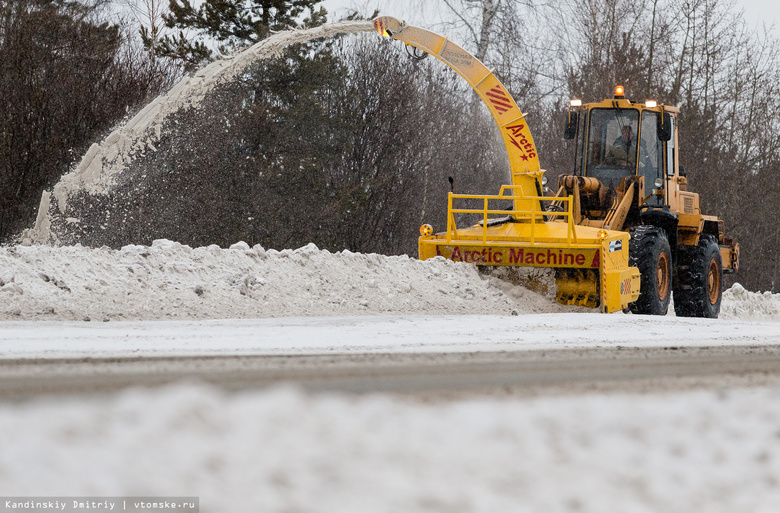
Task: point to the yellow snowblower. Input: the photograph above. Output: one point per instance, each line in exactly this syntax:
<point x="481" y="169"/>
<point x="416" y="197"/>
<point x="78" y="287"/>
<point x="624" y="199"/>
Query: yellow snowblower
<point x="621" y="234"/>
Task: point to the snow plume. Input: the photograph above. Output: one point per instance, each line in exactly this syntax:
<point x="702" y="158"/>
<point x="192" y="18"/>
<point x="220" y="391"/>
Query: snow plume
<point x="105" y="161"/>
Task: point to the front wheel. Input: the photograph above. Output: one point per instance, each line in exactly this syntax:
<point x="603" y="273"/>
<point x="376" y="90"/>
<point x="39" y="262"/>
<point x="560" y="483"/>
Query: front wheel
<point x="699" y="290"/>
<point x="649" y="251"/>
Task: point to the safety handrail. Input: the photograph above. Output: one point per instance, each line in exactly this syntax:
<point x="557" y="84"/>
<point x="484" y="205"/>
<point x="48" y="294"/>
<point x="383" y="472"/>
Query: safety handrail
<point x="533" y="215"/>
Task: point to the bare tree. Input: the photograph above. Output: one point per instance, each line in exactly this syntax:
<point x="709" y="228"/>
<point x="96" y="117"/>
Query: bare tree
<point x="505" y="35"/>
<point x="149" y="17"/>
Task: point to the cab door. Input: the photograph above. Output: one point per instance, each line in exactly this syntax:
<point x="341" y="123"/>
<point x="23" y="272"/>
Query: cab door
<point x="650" y="163"/>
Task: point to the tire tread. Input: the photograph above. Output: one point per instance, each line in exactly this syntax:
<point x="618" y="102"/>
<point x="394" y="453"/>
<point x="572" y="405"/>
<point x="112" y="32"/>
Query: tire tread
<point x="644" y="248"/>
<point x="691" y="298"/>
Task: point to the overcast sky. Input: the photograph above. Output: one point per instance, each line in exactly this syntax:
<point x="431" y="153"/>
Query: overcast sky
<point x="756" y="11"/>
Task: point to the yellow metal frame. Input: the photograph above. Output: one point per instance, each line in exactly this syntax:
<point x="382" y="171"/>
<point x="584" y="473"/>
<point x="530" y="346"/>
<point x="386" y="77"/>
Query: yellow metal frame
<point x="532" y="216"/>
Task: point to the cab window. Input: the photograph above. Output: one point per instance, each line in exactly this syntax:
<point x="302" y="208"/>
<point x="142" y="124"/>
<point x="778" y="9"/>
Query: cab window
<point x="612" y="145"/>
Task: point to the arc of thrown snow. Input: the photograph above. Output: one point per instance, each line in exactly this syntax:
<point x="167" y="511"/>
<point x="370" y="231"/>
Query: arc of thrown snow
<point x="104" y="161"/>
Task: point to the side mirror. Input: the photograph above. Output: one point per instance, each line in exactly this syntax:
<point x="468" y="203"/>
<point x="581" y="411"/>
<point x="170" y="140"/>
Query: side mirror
<point x="571" y="126"/>
<point x="664" y="127"/>
<point x="682" y="171"/>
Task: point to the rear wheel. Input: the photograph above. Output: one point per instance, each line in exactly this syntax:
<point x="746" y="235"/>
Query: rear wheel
<point x="649" y="251"/>
<point x="698" y="289"/>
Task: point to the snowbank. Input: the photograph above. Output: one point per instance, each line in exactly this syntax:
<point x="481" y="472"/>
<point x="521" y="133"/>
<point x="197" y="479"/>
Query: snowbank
<point x="282" y="450"/>
<point x="168" y="280"/>
<point x="739" y="303"/>
<point x="172" y="281"/>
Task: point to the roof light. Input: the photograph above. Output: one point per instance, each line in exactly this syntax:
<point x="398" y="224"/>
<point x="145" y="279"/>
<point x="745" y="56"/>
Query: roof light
<point x="426" y="230"/>
<point x="576" y="103"/>
<point x="619" y="92"/>
<point x="651" y="103"/>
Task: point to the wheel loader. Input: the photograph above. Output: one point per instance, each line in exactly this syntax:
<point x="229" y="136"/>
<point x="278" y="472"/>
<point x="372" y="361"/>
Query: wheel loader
<point x="621" y="233"/>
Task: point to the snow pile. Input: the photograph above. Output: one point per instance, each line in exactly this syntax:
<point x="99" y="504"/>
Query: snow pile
<point x="739" y="303"/>
<point x="103" y="162"/>
<point x="168" y="280"/>
<point x="172" y="281"/>
<point x="282" y="450"/>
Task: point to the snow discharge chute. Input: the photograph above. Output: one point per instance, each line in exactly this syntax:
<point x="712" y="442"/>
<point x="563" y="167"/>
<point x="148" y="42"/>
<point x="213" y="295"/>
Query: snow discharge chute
<point x="523" y="159"/>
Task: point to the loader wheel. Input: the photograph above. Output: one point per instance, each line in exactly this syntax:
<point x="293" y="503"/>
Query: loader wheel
<point x="698" y="289"/>
<point x="649" y="251"/>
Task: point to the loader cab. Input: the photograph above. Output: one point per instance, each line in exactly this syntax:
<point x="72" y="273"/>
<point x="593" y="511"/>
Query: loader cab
<point x="618" y="139"/>
<point x="610" y="145"/>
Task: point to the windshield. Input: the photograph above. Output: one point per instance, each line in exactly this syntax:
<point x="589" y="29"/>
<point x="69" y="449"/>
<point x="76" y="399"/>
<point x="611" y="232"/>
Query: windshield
<point x="612" y="145"/>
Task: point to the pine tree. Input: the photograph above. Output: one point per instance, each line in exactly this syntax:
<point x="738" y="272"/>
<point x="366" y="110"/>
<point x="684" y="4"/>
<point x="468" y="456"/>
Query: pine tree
<point x="231" y="24"/>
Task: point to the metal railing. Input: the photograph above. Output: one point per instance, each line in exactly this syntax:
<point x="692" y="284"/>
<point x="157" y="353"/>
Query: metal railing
<point x="533" y="216"/>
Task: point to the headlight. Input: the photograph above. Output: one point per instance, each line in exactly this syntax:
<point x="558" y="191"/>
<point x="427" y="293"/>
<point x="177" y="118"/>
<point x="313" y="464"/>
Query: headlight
<point x="659" y="182"/>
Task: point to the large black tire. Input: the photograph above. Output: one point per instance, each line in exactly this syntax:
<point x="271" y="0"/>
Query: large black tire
<point x="649" y="251"/>
<point x="699" y="285"/>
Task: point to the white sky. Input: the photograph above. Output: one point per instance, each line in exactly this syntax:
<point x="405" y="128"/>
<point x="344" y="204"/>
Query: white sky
<point x="757" y="12"/>
<point x="761" y="11"/>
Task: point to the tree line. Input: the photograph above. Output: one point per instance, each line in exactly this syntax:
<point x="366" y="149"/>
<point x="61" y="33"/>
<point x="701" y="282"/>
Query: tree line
<point x="349" y="143"/>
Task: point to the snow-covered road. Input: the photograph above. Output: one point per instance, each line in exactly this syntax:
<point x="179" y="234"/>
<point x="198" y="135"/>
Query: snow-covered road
<point x="372" y="334"/>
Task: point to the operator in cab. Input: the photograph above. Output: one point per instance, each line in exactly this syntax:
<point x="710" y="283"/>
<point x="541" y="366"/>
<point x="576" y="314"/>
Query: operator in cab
<point x="623" y="150"/>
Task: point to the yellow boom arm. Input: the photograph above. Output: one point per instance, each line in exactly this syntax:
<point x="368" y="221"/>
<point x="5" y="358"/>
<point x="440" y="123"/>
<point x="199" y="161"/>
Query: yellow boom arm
<point x="523" y="160"/>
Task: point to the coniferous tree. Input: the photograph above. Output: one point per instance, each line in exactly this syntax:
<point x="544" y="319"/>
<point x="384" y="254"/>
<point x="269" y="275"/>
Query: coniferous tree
<point x="231" y="24"/>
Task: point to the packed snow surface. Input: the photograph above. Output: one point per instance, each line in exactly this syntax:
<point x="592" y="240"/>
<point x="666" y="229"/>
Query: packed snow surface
<point x="281" y="450"/>
<point x="372" y="334"/>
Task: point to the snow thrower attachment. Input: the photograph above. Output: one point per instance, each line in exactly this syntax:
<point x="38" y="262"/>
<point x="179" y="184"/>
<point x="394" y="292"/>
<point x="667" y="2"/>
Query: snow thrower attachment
<point x="591" y="265"/>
